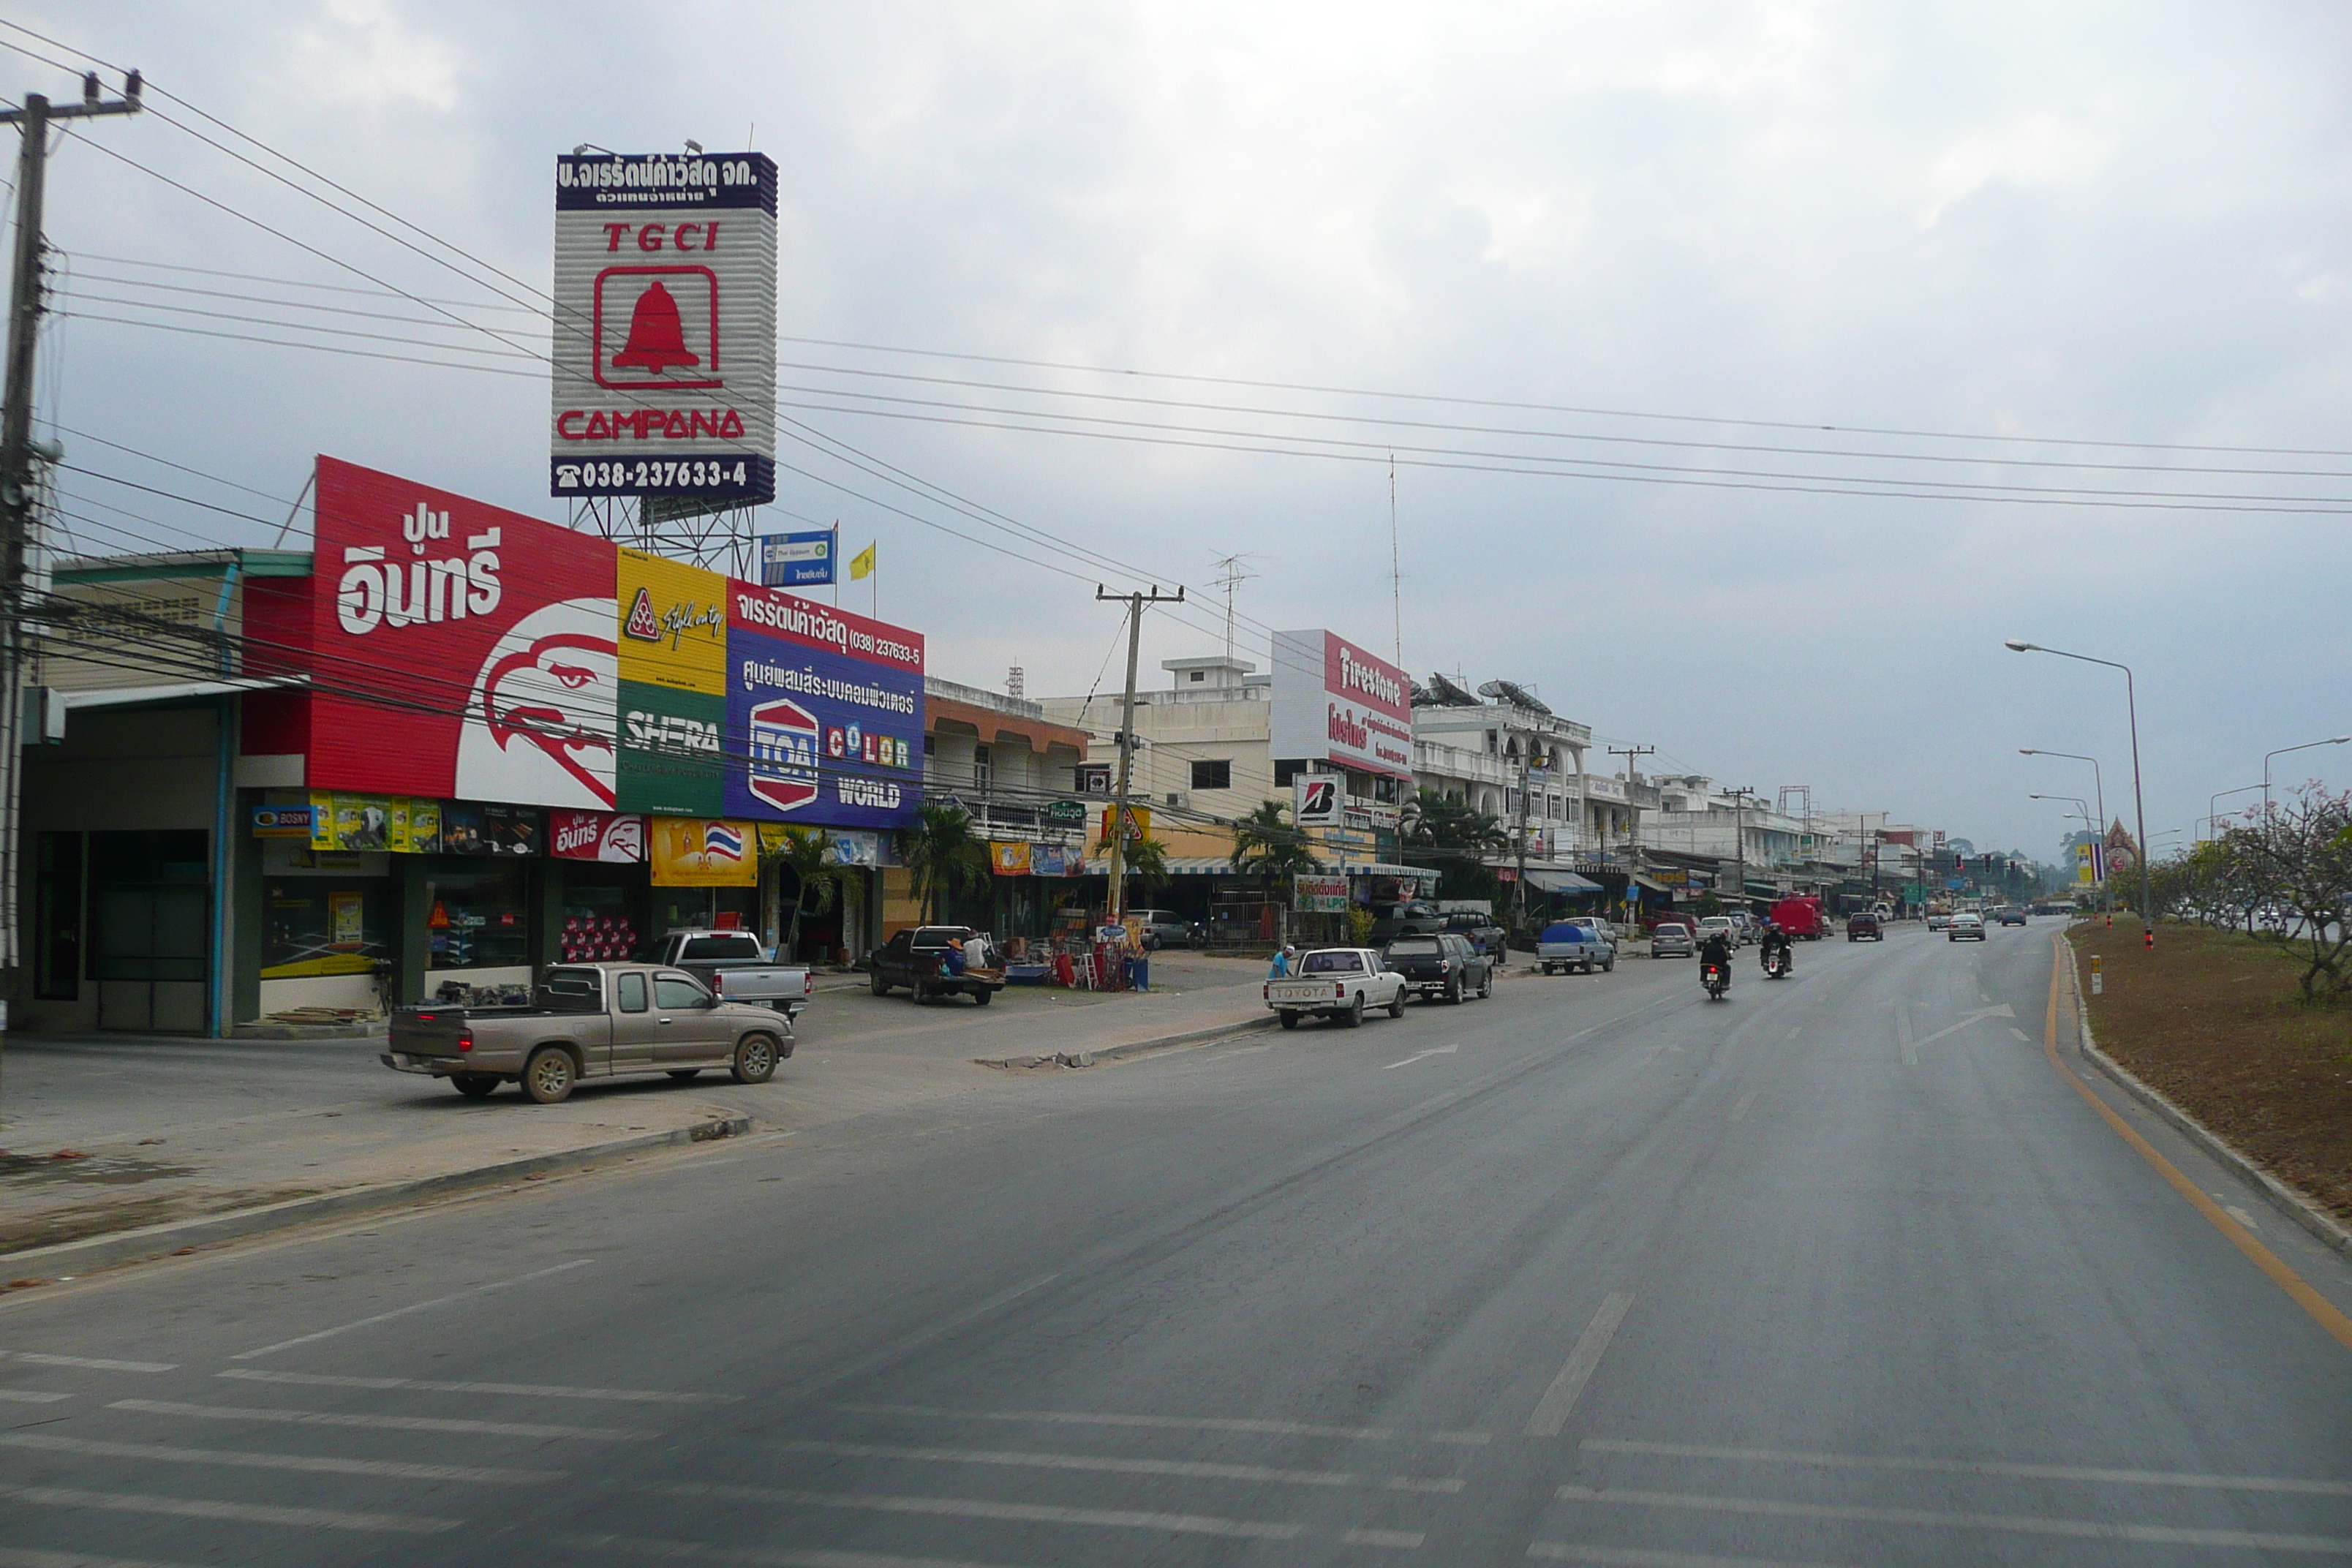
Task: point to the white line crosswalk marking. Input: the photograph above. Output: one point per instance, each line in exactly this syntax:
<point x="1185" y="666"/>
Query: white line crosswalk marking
<point x="519" y="1390"/>
<point x="241" y="1512"/>
<point x="386" y="1422"/>
<point x="979" y="1508"/>
<point x="1189" y="1468"/>
<point x="161" y="1453"/>
<point x="751" y="1557"/>
<point x="1167" y="1423"/>
<point x="30" y="1396"/>
<point x="1552" y="1410"/>
<point x="88" y="1362"/>
<point x="1820" y="1461"/>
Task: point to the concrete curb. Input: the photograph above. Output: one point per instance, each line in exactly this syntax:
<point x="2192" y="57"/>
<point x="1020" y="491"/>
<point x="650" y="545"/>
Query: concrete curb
<point x="2275" y="1192"/>
<point x="1131" y="1049"/>
<point x="96" y="1252"/>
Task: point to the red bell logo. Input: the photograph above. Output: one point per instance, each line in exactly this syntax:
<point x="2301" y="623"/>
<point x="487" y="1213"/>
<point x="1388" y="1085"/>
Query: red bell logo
<point x="656" y="338"/>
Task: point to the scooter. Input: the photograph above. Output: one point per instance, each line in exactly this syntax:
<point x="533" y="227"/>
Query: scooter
<point x="1776" y="964"/>
<point x="1717" y="978"/>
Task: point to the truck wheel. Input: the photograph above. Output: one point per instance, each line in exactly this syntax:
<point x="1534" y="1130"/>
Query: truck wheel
<point x="1611" y="966"/>
<point x="1396" y="1007"/>
<point x="1353" y="1018"/>
<point x="548" y="1077"/>
<point x="1289" y="1020"/>
<point x="473" y="1085"/>
<point x="881" y="987"/>
<point x="1453" y="990"/>
<point x="755" y="1059"/>
<point x="685" y="1074"/>
<point x="984" y="996"/>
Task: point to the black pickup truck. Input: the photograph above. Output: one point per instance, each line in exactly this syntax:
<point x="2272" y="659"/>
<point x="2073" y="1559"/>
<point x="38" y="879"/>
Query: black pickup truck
<point x="1441" y="965"/>
<point x="915" y="960"/>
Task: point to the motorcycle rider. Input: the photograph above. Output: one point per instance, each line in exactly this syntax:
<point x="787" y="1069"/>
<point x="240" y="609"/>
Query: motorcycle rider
<point x="1776" y="941"/>
<point x="1716" y="950"/>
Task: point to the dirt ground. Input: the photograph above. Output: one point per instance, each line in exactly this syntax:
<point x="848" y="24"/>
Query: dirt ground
<point x="2213" y="1019"/>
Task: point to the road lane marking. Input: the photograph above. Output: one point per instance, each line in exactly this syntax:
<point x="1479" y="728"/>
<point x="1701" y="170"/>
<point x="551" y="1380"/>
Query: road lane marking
<point x="1820" y="1461"/>
<point x="242" y="1512"/>
<point x="2019" y="1033"/>
<point x="981" y="1508"/>
<point x="519" y="1390"/>
<point x="1639" y="1557"/>
<point x="1940" y="1518"/>
<point x="161" y="1453"/>
<point x="1423" y="1056"/>
<point x="30" y="1396"/>
<point x="19" y="1557"/>
<point x="384" y="1422"/>
<point x="1165" y="1423"/>
<point x="1746" y="1100"/>
<point x="1902" y="1028"/>
<point x="697" y="1551"/>
<point x="1447" y="1485"/>
<point x="1400" y="1539"/>
<point x="1468" y="1439"/>
<point x="2323" y="1311"/>
<point x="2000" y="1010"/>
<point x="412" y="1307"/>
<point x="2241" y="1215"/>
<point x="1552" y="1410"/>
<point x="1193" y="1469"/>
<point x="88" y="1363"/>
<point x="1794" y="1032"/>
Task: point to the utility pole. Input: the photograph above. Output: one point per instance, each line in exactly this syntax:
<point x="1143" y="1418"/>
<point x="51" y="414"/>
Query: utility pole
<point x="18" y="485"/>
<point x="1633" y="848"/>
<point x="1519" y="888"/>
<point x="1121" y="816"/>
<point x="1739" y="839"/>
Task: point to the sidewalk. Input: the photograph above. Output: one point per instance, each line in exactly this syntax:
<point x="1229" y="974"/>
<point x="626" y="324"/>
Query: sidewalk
<point x="109" y="1133"/>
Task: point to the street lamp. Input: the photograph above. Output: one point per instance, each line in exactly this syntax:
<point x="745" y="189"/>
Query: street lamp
<point x="2139" y="807"/>
<point x="2283" y="750"/>
<point x="2098" y="788"/>
<point x="2213" y="802"/>
<point x="2082" y="810"/>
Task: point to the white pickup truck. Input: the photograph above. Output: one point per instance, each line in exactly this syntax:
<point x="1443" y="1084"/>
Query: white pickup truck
<point x="1340" y="983"/>
<point x="736" y="967"/>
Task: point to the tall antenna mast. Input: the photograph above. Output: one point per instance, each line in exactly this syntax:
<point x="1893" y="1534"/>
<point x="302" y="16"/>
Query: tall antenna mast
<point x="1230" y="577"/>
<point x="1396" y="574"/>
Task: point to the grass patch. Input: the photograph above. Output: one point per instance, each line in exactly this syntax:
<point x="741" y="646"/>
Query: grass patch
<point x="2214" y="1020"/>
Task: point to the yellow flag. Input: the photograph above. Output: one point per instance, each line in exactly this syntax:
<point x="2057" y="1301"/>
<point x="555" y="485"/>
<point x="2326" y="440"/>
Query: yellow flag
<point x="862" y="564"/>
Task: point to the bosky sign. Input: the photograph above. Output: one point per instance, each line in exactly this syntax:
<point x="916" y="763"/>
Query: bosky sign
<point x="466" y="651"/>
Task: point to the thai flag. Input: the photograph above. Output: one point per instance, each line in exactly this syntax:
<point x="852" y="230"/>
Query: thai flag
<point x="718" y="838"/>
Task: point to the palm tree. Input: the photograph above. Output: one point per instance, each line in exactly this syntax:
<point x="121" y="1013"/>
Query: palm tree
<point x="1267" y="847"/>
<point x="1144" y="863"/>
<point x="807" y="854"/>
<point x="940" y="855"/>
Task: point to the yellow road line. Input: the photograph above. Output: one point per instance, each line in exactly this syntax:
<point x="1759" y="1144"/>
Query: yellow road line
<point x="2323" y="1311"/>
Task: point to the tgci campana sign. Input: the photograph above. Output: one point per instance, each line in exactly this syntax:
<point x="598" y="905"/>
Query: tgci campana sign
<point x="665" y="352"/>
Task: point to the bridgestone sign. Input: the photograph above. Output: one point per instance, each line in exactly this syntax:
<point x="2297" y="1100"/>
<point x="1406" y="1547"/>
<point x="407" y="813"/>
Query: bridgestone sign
<point x="664" y="347"/>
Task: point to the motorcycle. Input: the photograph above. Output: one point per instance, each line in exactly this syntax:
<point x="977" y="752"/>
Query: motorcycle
<point x="1717" y="978"/>
<point x="1776" y="964"/>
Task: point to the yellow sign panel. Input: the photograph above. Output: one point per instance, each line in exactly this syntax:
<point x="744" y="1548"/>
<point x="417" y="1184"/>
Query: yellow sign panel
<point x="1010" y="860"/>
<point x="1138" y="823"/>
<point x="673" y="624"/>
<point x="705" y="852"/>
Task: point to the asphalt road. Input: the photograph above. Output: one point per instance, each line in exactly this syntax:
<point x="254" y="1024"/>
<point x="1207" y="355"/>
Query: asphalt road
<point x="1839" y="1270"/>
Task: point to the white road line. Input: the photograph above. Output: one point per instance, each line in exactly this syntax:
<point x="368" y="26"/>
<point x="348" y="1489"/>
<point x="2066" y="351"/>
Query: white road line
<point x="383" y="1423"/>
<point x="1551" y="1411"/>
<point x="1902" y="1028"/>
<point x="1999" y="1010"/>
<point x="1029" y="1460"/>
<point x="1399" y="1540"/>
<point x="1794" y="1032"/>
<point x="1469" y="1440"/>
<point x="979" y="1508"/>
<point x="1447" y="1485"/>
<point x="1163" y="1423"/>
<point x="165" y="1454"/>
<point x="1746" y="1100"/>
<point x="242" y="1512"/>
<point x="1936" y="1519"/>
<point x="30" y="1396"/>
<point x="1637" y="1557"/>
<point x="1423" y="1056"/>
<point x="88" y="1363"/>
<point x="19" y="1557"/>
<point x="520" y="1390"/>
<point x="1973" y="1467"/>
<point x="2018" y="1032"/>
<point x="697" y="1551"/>
<point x="2241" y="1215"/>
<point x="412" y="1307"/>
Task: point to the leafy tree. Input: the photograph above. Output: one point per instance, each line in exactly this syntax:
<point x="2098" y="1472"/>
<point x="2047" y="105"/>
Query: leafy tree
<point x="1145" y="864"/>
<point x="1266" y="846"/>
<point x="816" y="881"/>
<point x="2299" y="854"/>
<point x="941" y="855"/>
<point x="1453" y="837"/>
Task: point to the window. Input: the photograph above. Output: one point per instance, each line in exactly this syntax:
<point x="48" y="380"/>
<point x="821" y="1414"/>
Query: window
<point x="680" y="992"/>
<point x="701" y="947"/>
<point x="1287" y="774"/>
<point x="633" y="992"/>
<point x="1212" y="775"/>
<point x="573" y="991"/>
<point x="1414" y="947"/>
<point x="1199" y="675"/>
<point x="478" y="920"/>
<point x="57" y="918"/>
<point x="984" y="769"/>
<point x="1337" y="961"/>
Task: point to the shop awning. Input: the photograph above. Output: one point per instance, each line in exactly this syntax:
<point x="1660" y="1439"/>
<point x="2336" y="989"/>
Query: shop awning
<point x="178" y="691"/>
<point x="1562" y="882"/>
<point x="1654" y="886"/>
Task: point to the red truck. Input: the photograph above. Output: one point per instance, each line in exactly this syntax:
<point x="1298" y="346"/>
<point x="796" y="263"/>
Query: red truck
<point x="1800" y="916"/>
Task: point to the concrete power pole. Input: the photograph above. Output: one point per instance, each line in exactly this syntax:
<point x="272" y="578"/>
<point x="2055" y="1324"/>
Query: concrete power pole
<point x="1739" y="840"/>
<point x="1120" y="817"/>
<point x="19" y="483"/>
<point x="1633" y="836"/>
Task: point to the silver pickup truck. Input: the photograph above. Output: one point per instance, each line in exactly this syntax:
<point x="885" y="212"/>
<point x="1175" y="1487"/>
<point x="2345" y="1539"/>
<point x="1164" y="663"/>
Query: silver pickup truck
<point x="591" y="1020"/>
<point x="734" y="965"/>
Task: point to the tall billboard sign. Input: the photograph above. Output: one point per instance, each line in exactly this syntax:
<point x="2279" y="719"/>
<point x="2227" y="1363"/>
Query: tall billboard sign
<point x="827" y="710"/>
<point x="1333" y="701"/>
<point x="665" y="351"/>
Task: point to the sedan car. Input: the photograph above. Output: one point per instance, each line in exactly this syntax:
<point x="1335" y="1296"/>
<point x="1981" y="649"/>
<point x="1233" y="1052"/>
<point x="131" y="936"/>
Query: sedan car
<point x="1966" y="927"/>
<point x="1939" y="920"/>
<point x="1865" y="926"/>
<point x="2011" y="916"/>
<point x="1671" y="941"/>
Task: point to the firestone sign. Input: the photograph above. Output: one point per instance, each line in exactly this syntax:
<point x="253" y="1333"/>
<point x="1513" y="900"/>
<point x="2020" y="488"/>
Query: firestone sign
<point x="665" y="348"/>
<point x="1333" y="702"/>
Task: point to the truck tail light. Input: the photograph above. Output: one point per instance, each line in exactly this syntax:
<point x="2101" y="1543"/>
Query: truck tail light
<point x="808" y="981"/>
<point x="466" y="1040"/>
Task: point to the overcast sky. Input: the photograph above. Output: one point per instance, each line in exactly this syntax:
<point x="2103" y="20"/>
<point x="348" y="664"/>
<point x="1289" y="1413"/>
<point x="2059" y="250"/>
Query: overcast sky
<point x="2122" y="224"/>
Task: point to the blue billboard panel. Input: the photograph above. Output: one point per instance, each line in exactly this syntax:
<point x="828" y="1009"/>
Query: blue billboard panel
<point x="821" y="738"/>
<point x="798" y="560"/>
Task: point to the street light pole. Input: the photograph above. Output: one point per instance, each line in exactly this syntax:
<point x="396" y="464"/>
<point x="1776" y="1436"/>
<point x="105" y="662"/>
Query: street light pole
<point x="2098" y="788"/>
<point x="2139" y="806"/>
<point x="2283" y="750"/>
<point x="2213" y="802"/>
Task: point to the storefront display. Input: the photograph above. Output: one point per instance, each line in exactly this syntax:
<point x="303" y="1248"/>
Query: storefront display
<point x="477" y="919"/>
<point x="323" y="925"/>
<point x="602" y="916"/>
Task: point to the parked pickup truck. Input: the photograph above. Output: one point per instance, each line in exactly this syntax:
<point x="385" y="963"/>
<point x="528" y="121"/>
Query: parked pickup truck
<point x="1339" y="983"/>
<point x="1446" y="965"/>
<point x="736" y="967"/>
<point x="915" y="960"/>
<point x="591" y="1020"/>
<point x="1581" y="944"/>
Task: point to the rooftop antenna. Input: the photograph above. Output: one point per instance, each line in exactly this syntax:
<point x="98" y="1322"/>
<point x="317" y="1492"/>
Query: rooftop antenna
<point x="1230" y="577"/>
<point x="1016" y="682"/>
